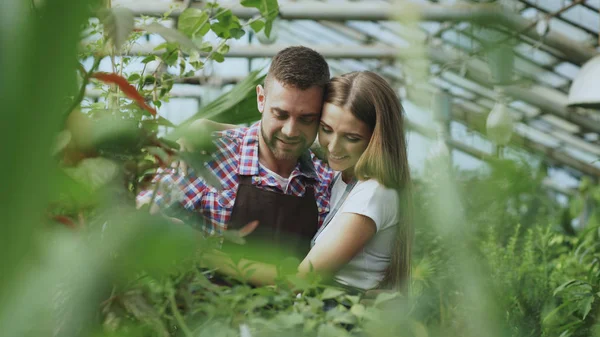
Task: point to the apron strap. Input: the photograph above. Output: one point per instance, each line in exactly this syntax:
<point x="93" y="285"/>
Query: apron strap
<point x="337" y="206"/>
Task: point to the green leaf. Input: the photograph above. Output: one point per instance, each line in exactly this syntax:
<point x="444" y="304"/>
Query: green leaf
<point x="551" y="315"/>
<point x="193" y="22"/>
<point x="257" y="25"/>
<point x="164" y="45"/>
<point x="566" y="333"/>
<point x="251" y="3"/>
<point x="358" y="310"/>
<point x="62" y="140"/>
<point x="171" y="35"/>
<point x="225" y="23"/>
<point x="118" y="24"/>
<point x="340" y="315"/>
<point x="353" y="299"/>
<point x="94" y="172"/>
<point x="158" y="121"/>
<point x="159" y="152"/>
<point x="237" y="33"/>
<point x="288" y="320"/>
<point x="331" y="293"/>
<point x="170" y="58"/>
<point x="133" y="77"/>
<point x="269" y="9"/>
<point x="138" y="306"/>
<point x="206" y="47"/>
<point x="223" y="49"/>
<point x="385" y="296"/>
<point x="566" y="285"/>
<point x="148" y="59"/>
<point x="256" y="302"/>
<point x="299" y="283"/>
<point x="586" y="305"/>
<point x="218" y="57"/>
<point x="314" y="303"/>
<point x="235" y="107"/>
<point x="268" y="28"/>
<point x="329" y="330"/>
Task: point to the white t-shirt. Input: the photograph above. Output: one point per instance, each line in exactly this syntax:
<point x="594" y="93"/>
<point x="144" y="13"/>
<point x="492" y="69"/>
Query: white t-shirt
<point x="283" y="182"/>
<point x="375" y="201"/>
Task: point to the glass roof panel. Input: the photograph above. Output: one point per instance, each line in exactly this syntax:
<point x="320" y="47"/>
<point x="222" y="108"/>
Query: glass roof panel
<point x="567" y="69"/>
<point x="584" y="17"/>
<point x="527" y="109"/>
<point x="551" y="79"/>
<point x="535" y="54"/>
<point x="460" y="40"/>
<point x="431" y="27"/>
<point x="561" y="123"/>
<point x="465" y="83"/>
<point x="461" y="133"/>
<point x="593" y="3"/>
<point x="469" y="106"/>
<point x="535" y="135"/>
<point x="374" y="29"/>
<point x="571" y="31"/>
<point x="583" y="156"/>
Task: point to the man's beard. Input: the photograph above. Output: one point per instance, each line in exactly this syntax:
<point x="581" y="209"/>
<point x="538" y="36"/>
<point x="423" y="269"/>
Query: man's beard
<point x="280" y="154"/>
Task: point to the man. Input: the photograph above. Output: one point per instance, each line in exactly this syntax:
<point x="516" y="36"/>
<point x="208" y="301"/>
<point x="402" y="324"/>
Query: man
<point x="267" y="173"/>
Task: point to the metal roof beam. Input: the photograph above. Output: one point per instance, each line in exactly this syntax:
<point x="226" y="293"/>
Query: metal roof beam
<point x="548" y="100"/>
<point x="484" y="14"/>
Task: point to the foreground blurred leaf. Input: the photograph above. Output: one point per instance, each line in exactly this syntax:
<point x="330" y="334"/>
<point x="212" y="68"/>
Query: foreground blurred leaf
<point x="118" y="24"/>
<point x="38" y="53"/>
<point x="236" y="106"/>
<point x="139" y="307"/>
<point x="94" y="172"/>
<point x="331" y="293"/>
<point x="171" y="35"/>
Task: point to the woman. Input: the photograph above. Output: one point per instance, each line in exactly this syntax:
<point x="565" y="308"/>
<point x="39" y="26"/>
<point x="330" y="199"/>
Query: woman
<point x="365" y="242"/>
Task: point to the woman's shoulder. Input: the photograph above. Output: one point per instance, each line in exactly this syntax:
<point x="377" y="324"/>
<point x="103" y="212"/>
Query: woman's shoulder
<point x="374" y="188"/>
<point x="372" y="199"/>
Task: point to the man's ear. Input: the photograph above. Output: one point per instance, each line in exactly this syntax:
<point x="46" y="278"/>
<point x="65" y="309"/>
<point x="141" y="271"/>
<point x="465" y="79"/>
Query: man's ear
<point x="260" y="98"/>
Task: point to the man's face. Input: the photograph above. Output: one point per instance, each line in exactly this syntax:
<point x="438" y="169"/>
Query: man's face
<point x="290" y="118"/>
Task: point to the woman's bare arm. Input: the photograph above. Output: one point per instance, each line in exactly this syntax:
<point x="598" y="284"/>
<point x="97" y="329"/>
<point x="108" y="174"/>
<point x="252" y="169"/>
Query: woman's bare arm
<point x="339" y="244"/>
<point x="335" y="249"/>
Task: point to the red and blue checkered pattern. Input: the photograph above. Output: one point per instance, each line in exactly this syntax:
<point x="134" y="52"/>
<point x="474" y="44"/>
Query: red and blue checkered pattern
<point x="237" y="154"/>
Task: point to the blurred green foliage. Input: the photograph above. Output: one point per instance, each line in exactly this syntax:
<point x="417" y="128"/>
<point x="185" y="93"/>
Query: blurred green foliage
<point x="495" y="253"/>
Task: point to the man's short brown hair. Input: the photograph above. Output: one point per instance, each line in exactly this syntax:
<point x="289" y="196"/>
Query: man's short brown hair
<point x="299" y="67"/>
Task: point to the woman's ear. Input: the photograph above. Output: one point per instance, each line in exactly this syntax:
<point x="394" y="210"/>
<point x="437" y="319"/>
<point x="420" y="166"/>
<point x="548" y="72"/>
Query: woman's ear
<point x="260" y="98"/>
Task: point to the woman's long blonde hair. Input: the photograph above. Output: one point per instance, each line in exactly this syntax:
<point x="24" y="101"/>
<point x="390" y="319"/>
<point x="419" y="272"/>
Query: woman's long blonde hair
<point x="371" y="100"/>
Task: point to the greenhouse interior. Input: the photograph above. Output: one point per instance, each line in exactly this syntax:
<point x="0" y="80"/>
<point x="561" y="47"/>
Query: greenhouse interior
<point x="470" y="209"/>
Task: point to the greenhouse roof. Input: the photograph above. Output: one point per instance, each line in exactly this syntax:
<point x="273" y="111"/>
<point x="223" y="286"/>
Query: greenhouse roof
<point x="551" y="41"/>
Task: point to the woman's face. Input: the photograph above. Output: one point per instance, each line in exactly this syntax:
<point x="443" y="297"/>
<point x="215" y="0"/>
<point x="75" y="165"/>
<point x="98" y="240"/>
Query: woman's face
<point x="343" y="137"/>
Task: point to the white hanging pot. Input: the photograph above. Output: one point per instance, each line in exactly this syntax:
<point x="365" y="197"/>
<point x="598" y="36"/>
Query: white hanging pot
<point x="499" y="124"/>
<point x="584" y="90"/>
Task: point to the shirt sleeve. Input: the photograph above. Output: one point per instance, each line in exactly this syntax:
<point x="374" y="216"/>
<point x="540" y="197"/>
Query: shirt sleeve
<point x="173" y="188"/>
<point x="373" y="200"/>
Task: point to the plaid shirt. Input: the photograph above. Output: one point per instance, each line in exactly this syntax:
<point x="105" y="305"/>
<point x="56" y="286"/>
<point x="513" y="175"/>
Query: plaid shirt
<point x="237" y="154"/>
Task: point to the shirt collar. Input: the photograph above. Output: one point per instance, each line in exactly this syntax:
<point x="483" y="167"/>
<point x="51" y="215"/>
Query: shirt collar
<point x="248" y="165"/>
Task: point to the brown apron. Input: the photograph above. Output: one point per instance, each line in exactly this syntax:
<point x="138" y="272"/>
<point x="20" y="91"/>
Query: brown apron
<point x="287" y="223"/>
